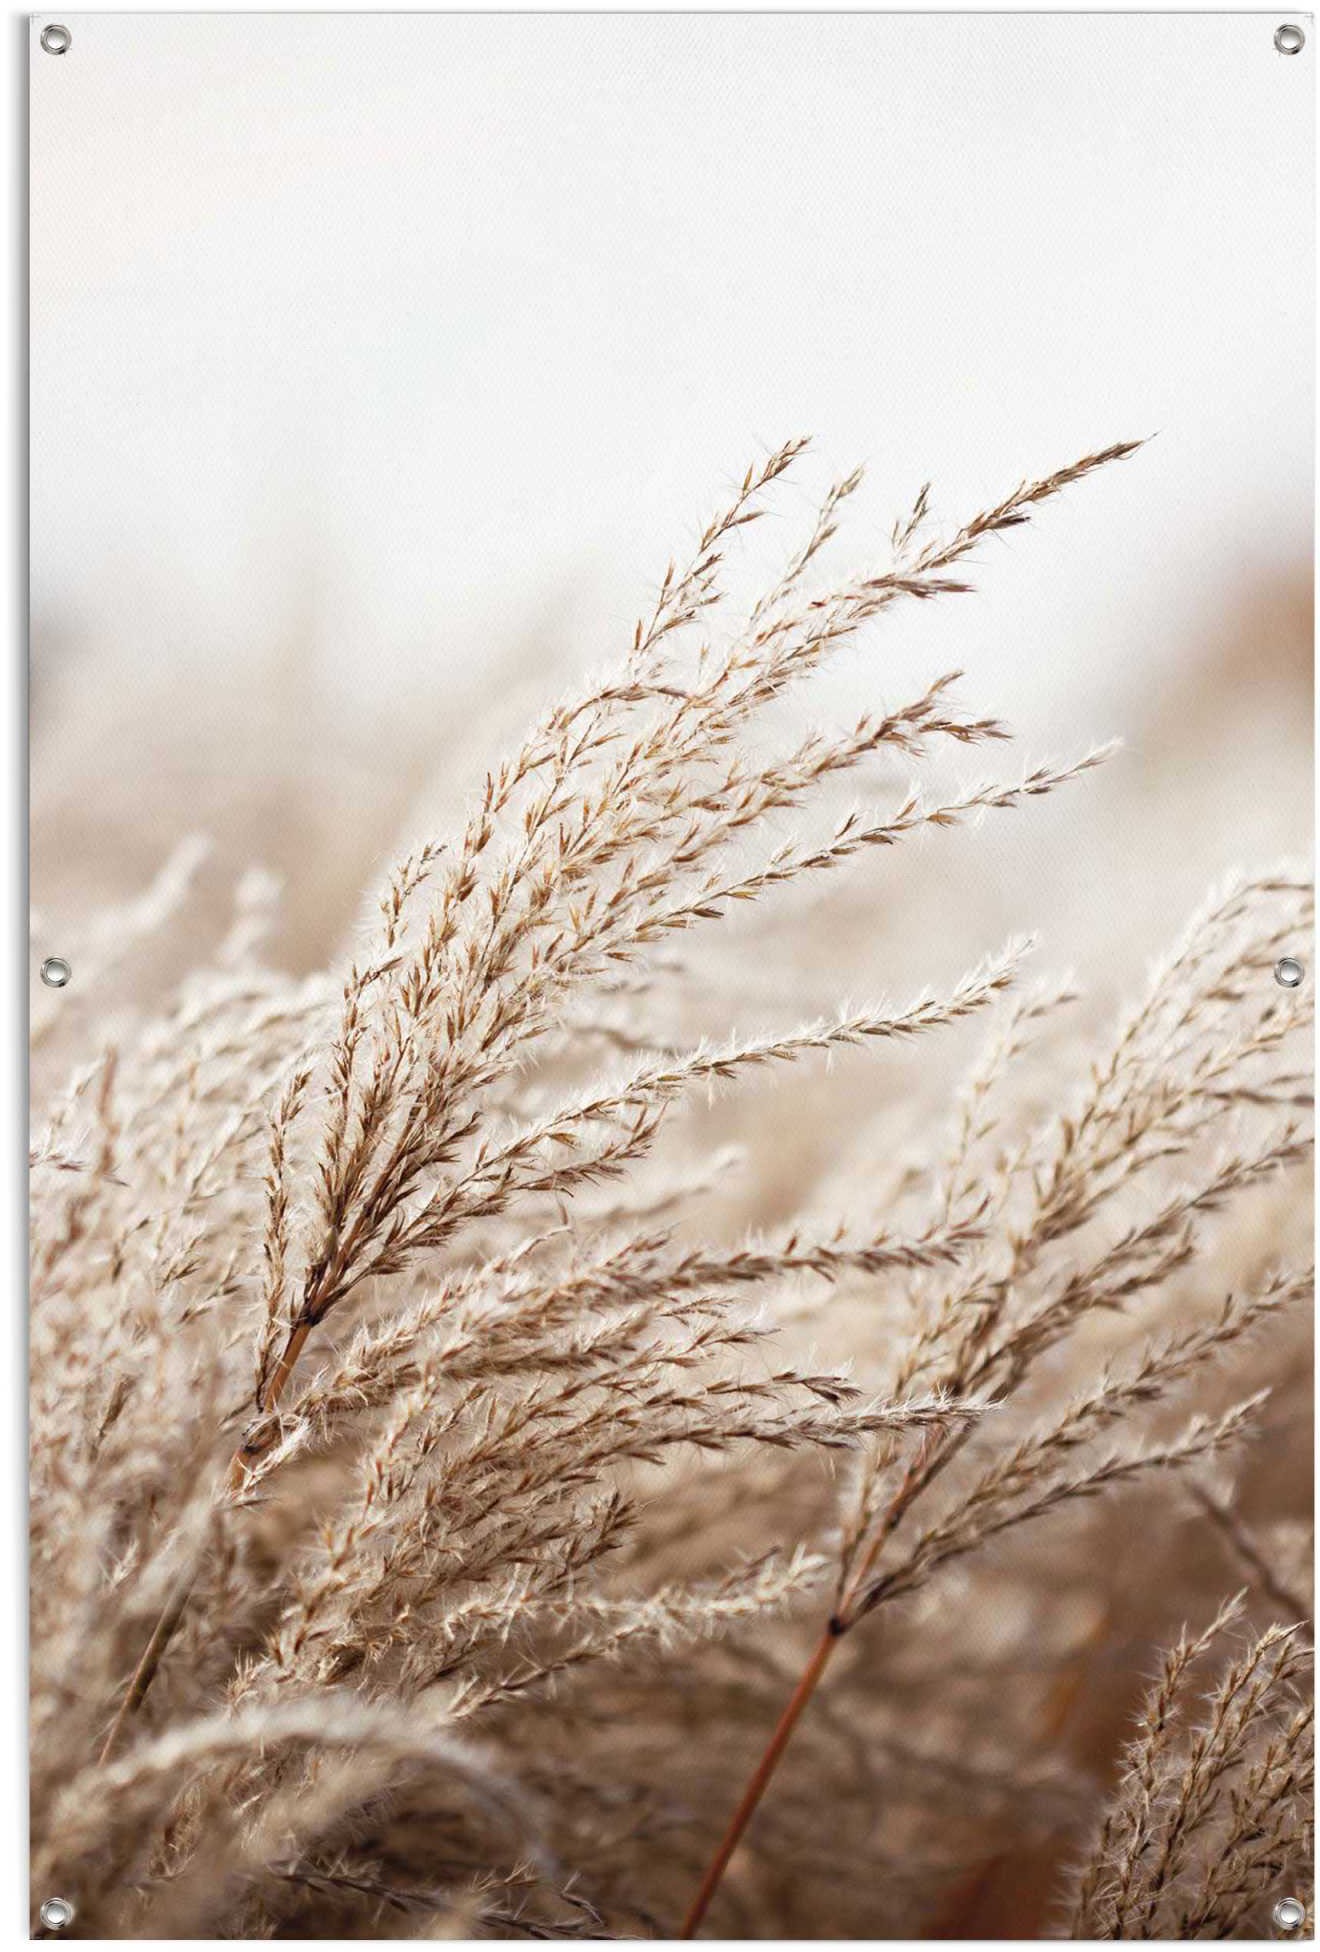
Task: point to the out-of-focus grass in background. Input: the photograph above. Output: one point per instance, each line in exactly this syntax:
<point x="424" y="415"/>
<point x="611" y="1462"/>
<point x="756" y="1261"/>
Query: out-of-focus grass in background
<point x="376" y="362"/>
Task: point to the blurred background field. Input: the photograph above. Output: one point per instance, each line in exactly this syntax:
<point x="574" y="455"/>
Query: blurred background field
<point x="380" y="364"/>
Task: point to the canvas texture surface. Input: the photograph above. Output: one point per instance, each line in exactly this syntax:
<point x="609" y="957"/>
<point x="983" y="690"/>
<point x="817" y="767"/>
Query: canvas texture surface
<point x="671" y="972"/>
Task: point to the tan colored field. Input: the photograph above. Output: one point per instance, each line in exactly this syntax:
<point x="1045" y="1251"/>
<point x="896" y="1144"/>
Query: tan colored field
<point x="728" y="1342"/>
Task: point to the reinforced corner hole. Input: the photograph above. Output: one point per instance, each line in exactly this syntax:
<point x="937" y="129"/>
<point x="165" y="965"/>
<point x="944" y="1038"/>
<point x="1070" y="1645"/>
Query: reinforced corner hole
<point x="1289" y="39"/>
<point x="1289" y="1913"/>
<point x="1288" y="972"/>
<point x="56" y="39"/>
<point x="56" y="1913"/>
<point x="55" y="973"/>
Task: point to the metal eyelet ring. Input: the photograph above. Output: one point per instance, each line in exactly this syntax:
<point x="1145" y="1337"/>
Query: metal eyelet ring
<point x="1288" y="1914"/>
<point x="56" y="39"/>
<point x="56" y="972"/>
<point x="1289" y="973"/>
<point x="1289" y="39"/>
<point x="56" y="1913"/>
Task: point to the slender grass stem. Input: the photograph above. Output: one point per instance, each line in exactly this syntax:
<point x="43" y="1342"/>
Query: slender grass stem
<point x="170" y="1618"/>
<point x="760" y="1778"/>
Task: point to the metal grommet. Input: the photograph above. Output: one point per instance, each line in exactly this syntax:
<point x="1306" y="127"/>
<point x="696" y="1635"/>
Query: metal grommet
<point x="56" y="1913"/>
<point x="1289" y="1913"/>
<point x="1288" y="972"/>
<point x="55" y="973"/>
<point x="1289" y="39"/>
<point x="56" y="39"/>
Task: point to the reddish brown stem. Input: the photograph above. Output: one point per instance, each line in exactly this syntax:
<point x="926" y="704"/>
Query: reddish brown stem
<point x="761" y="1775"/>
<point x="176" y="1604"/>
<point x="846" y="1614"/>
<point x="293" y="1348"/>
<point x="145" y="1672"/>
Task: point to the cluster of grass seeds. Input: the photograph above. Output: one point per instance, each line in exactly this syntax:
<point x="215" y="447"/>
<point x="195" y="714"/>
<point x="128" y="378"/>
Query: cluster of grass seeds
<point x="1209" y="1828"/>
<point x="1079" y="1222"/>
<point x="415" y="1488"/>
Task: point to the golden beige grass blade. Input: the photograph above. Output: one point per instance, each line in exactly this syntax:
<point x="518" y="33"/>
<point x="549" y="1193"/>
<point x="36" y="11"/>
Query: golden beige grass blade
<point x="671" y="1291"/>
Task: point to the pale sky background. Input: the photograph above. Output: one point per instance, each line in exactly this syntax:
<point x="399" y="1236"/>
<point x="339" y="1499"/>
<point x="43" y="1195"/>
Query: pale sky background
<point x="440" y="317"/>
